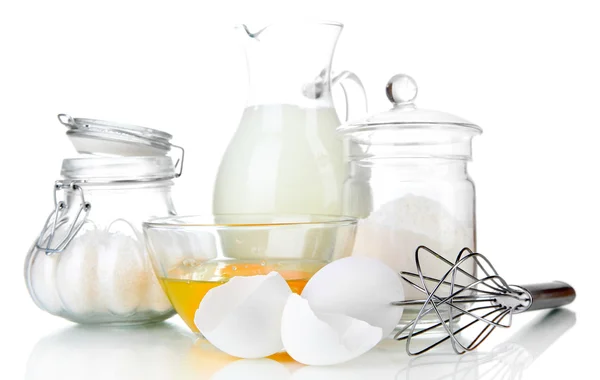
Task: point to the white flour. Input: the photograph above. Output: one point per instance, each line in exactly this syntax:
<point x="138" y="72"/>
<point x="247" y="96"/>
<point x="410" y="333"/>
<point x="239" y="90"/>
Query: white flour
<point x="393" y="232"/>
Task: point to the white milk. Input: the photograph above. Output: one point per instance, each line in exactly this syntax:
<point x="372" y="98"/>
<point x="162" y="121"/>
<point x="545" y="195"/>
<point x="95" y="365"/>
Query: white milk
<point x="282" y="159"/>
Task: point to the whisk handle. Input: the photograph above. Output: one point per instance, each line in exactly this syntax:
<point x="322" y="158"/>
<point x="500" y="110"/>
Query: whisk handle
<point x="548" y="295"/>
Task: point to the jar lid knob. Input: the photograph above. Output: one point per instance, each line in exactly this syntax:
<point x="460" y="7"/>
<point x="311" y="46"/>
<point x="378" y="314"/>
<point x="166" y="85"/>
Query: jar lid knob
<point x="401" y="89"/>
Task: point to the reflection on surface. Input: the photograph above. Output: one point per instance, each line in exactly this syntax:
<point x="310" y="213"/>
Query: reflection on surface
<point x="506" y="360"/>
<point x="86" y="352"/>
<point x="166" y="351"/>
<point x="253" y="369"/>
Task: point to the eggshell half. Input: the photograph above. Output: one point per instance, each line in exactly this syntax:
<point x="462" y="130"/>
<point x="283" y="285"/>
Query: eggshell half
<point x="358" y="287"/>
<point x="324" y="339"/>
<point x="243" y="316"/>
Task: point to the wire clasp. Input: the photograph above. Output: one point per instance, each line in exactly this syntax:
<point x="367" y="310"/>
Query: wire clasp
<point x="58" y="217"/>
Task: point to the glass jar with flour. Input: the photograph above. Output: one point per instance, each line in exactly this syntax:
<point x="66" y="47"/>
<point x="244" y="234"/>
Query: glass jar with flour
<point x="89" y="263"/>
<point x="408" y="184"/>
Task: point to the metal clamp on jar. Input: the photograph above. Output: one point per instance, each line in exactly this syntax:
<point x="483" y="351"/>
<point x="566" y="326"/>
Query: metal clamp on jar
<point x="409" y="185"/>
<point x="89" y="263"/>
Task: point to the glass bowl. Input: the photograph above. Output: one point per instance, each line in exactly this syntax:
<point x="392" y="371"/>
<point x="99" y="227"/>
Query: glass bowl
<point x="193" y="254"/>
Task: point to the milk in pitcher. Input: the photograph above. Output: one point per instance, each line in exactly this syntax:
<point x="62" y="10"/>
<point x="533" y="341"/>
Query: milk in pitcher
<point x="283" y="159"/>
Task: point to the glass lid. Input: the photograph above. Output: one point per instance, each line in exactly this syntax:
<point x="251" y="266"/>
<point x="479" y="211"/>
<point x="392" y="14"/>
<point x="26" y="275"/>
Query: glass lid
<point x="105" y="138"/>
<point x="402" y="91"/>
<point x="115" y="148"/>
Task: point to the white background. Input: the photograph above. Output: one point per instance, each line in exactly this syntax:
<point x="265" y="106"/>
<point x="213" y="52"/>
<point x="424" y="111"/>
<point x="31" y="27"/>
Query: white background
<point x="527" y="72"/>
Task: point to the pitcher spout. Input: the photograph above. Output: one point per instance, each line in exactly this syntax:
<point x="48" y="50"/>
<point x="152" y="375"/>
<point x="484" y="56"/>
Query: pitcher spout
<point x="289" y="62"/>
<point x="289" y="28"/>
<point x="245" y="32"/>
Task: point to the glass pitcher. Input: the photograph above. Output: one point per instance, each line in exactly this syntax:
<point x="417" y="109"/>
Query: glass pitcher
<point x="285" y="156"/>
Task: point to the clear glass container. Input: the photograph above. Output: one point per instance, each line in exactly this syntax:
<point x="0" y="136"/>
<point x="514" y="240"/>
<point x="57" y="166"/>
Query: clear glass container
<point x="285" y="156"/>
<point x="194" y="254"/>
<point x="89" y="264"/>
<point x="409" y="186"/>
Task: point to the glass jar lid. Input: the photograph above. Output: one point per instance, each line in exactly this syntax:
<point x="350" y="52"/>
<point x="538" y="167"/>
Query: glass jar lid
<point x="99" y="137"/>
<point x="415" y="123"/>
<point x="116" y="152"/>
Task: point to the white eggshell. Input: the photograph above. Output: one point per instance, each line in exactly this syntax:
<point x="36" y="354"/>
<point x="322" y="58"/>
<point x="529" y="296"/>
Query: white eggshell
<point x="358" y="287"/>
<point x="243" y="316"/>
<point x="321" y="338"/>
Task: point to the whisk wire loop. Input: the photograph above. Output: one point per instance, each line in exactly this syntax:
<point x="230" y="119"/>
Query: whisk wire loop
<point x="459" y="294"/>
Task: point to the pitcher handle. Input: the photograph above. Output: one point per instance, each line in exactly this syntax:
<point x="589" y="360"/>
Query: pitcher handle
<point x="351" y="84"/>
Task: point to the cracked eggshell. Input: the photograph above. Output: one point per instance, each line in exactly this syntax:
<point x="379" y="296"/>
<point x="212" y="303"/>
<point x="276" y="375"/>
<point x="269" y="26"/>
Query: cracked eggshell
<point x="243" y="316"/>
<point x="358" y="287"/>
<point x="324" y="339"/>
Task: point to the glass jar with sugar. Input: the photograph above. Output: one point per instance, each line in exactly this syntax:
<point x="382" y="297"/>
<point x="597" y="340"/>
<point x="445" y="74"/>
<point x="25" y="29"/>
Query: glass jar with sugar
<point x="409" y="185"/>
<point x="89" y="264"/>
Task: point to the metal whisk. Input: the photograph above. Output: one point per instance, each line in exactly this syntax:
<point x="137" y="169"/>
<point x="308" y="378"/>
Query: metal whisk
<point x="481" y="303"/>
